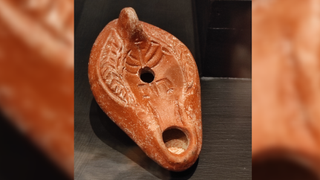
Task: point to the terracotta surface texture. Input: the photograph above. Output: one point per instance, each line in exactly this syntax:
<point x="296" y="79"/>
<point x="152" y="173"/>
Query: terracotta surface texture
<point x="286" y="80"/>
<point x="147" y="82"/>
<point x="36" y="74"/>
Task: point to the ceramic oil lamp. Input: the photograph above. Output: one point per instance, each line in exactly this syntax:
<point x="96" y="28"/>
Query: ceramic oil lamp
<point x="147" y="82"/>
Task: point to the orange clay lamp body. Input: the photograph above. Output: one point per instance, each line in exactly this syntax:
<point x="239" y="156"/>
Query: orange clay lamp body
<point x="147" y="82"/>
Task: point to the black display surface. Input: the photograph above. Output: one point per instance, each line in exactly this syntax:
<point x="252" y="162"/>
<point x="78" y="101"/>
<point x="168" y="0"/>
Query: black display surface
<point x="104" y="151"/>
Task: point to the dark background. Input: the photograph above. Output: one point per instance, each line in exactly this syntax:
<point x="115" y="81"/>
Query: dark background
<point x="21" y="159"/>
<point x="224" y="31"/>
<point x="217" y="32"/>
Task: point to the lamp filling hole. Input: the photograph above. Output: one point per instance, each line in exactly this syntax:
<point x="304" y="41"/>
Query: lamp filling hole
<point x="146" y="75"/>
<point x="175" y="140"/>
